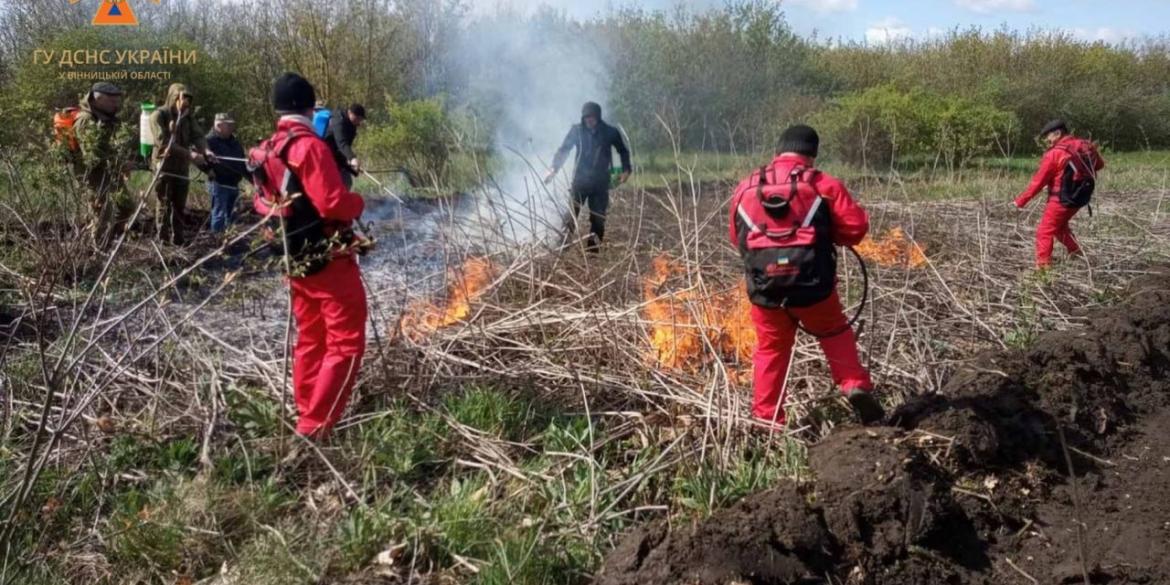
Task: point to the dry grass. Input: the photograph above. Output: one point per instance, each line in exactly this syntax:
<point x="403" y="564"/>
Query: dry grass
<point x="566" y="331"/>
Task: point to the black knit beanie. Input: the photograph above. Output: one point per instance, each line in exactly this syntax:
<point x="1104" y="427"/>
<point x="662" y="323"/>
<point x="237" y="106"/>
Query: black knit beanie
<point x="1053" y="126"/>
<point x="800" y="139"/>
<point x="293" y="93"/>
<point x="591" y="109"/>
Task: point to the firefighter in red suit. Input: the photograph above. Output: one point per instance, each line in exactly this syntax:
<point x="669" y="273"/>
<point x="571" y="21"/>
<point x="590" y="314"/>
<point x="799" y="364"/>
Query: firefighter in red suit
<point x="787" y="228"/>
<point x="328" y="297"/>
<point x="1062" y="149"/>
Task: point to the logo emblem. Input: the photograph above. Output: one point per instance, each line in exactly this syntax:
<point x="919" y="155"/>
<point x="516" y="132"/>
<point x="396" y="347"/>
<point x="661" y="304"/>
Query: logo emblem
<point x="114" y="13"/>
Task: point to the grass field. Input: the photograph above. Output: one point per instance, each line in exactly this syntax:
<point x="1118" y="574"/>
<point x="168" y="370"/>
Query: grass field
<point x="511" y="447"/>
<point x="1127" y="171"/>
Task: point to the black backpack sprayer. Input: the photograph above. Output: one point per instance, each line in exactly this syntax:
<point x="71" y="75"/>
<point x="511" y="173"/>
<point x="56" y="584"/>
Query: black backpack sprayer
<point x="789" y="260"/>
<point x="615" y="173"/>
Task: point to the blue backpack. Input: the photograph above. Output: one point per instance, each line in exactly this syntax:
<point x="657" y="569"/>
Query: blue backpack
<point x="321" y="121"/>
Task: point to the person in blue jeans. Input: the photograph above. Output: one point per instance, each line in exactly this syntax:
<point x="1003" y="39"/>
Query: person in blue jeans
<point x="224" y="186"/>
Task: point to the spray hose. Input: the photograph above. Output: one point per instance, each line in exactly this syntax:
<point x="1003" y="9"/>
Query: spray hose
<point x="860" y="307"/>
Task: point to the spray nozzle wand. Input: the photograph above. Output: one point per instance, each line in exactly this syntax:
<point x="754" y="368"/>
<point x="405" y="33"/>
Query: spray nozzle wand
<point x="383" y="187"/>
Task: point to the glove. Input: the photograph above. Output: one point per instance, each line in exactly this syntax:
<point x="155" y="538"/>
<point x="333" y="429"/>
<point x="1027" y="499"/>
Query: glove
<point x="363" y="245"/>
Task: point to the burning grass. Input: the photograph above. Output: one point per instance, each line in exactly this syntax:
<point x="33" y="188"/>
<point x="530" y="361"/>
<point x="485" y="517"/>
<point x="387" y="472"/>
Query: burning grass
<point x="893" y="249"/>
<point x="466" y="284"/>
<point x="690" y="324"/>
<point x="685" y="323"/>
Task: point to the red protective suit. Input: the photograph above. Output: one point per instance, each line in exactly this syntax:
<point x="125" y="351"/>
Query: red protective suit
<point x="330" y="305"/>
<point x="330" y="309"/>
<point x="776" y="328"/>
<point x="1054" y="224"/>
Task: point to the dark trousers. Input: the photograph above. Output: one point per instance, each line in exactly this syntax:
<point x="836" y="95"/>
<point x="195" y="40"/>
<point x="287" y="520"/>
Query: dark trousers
<point x="347" y="176"/>
<point x="597" y="199"/>
<point x="171" y="193"/>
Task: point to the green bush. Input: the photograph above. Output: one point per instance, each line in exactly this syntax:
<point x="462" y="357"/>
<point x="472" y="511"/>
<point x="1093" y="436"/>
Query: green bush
<point x="1113" y="93"/>
<point x="885" y="125"/>
<point x="419" y="136"/>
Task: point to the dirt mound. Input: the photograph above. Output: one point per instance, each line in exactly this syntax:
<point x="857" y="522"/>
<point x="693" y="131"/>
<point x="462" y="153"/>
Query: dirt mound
<point x="770" y="537"/>
<point x="879" y="509"/>
<point x="883" y="501"/>
<point x="1046" y="465"/>
<point x="1094" y="382"/>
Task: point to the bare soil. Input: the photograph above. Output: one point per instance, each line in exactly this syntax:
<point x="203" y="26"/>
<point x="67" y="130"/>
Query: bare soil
<point x="1046" y="465"/>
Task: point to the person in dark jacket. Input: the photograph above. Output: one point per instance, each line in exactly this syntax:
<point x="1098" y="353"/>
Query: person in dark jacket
<point x="595" y="141"/>
<point x="340" y="136"/>
<point x="227" y="173"/>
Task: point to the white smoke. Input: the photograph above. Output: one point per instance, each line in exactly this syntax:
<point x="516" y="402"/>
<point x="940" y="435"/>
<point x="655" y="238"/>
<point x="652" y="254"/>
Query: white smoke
<point x="539" y="70"/>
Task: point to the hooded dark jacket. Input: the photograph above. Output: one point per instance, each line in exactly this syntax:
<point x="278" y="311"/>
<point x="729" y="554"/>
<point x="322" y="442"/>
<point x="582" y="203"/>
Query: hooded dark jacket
<point x="99" y="155"/>
<point x="187" y="133"/>
<point x="594" y="152"/>
<point x="340" y="135"/>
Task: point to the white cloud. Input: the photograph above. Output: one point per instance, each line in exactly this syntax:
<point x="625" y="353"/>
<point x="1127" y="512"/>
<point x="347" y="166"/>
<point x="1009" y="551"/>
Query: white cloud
<point x="592" y="8"/>
<point x="887" y="30"/>
<point x="825" y="6"/>
<point x="1106" y="34"/>
<point x="892" y="29"/>
<point x="990" y="6"/>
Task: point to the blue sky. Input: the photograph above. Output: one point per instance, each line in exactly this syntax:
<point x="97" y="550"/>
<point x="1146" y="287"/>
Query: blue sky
<point x="880" y="20"/>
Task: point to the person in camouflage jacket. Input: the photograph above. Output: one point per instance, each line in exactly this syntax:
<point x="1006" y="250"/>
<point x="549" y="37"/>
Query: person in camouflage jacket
<point x="103" y="160"/>
<point x="178" y="142"/>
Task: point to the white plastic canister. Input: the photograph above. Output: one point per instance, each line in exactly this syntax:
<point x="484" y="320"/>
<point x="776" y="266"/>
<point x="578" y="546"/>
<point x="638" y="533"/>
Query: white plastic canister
<point x="145" y="136"/>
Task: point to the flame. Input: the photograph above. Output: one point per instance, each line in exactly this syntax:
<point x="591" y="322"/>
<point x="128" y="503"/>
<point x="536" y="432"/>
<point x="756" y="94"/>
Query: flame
<point x="684" y="323"/>
<point x="895" y="249"/>
<point x="467" y="284"/>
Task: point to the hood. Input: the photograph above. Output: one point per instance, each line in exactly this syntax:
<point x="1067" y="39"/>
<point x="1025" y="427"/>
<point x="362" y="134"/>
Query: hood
<point x="173" y="93"/>
<point x="590" y="109"/>
<point x="86" y="106"/>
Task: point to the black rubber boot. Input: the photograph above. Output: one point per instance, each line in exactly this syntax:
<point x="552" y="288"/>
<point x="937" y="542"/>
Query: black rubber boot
<point x="593" y="244"/>
<point x="867" y="407"/>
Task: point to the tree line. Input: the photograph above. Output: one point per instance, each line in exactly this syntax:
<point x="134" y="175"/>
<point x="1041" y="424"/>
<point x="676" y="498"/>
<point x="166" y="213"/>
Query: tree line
<point x="726" y="79"/>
